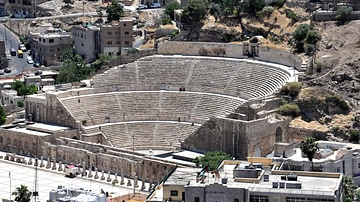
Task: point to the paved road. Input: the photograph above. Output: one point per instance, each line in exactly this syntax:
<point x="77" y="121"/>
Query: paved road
<point x="16" y="64"/>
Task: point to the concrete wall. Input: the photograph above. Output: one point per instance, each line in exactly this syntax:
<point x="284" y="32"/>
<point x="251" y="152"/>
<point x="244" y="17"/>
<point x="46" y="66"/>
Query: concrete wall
<point x="227" y="50"/>
<point x="330" y="15"/>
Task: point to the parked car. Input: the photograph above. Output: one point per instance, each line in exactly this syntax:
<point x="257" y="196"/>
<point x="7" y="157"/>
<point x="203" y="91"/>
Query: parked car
<point x="12" y="52"/>
<point x="36" y="64"/>
<point x="155" y="5"/>
<point x="2" y="72"/>
<point x="29" y="60"/>
<point x="7" y="70"/>
<point x="22" y="47"/>
<point x="141" y="6"/>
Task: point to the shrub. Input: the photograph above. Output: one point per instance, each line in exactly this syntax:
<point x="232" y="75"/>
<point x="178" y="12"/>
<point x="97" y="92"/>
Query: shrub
<point x="342" y="13"/>
<point x="166" y="20"/>
<point x="292" y="15"/>
<point x="337" y="101"/>
<point x="256" y="5"/>
<point x="277" y="3"/>
<point x="354" y="136"/>
<point x="289" y="110"/>
<point x="294" y="88"/>
<point x="266" y="11"/>
<point x="311" y="37"/>
<point x="310" y="49"/>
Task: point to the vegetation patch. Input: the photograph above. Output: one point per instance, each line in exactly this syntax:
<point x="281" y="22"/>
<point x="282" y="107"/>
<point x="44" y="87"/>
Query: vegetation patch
<point x="290" y="109"/>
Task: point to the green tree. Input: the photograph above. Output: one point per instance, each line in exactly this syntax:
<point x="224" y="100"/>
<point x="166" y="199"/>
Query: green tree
<point x="211" y="159"/>
<point x="22" y="194"/>
<point x="25" y="40"/>
<point x="73" y="68"/>
<point x="195" y="11"/>
<point x="342" y="13"/>
<point x="2" y="115"/>
<point x="114" y="11"/>
<point x="20" y="103"/>
<point x="256" y="5"/>
<point x="215" y="10"/>
<point x="101" y="61"/>
<point x="349" y="189"/>
<point x="354" y="136"/>
<point x="309" y="147"/>
<point x="22" y="90"/>
<point x="304" y="34"/>
<point x="170" y="7"/>
<point x="68" y="2"/>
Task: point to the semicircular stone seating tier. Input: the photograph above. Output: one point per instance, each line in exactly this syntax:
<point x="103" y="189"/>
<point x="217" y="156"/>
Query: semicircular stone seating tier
<point x="113" y="107"/>
<point x="146" y="134"/>
<point x="235" y="77"/>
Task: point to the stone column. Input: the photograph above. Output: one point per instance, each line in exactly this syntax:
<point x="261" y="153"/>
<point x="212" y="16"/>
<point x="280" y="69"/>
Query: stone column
<point x="54" y="164"/>
<point x="122" y="177"/>
<point x="90" y="174"/>
<point x="129" y="183"/>
<point x="42" y="162"/>
<point x="136" y="182"/>
<point x="48" y="164"/>
<point x="30" y="161"/>
<point x="109" y="177"/>
<point x="36" y="163"/>
<point x="102" y="175"/>
<point x="116" y="180"/>
<point x="143" y="186"/>
<point x="96" y="173"/>
<point x="84" y="169"/>
<point x="60" y="166"/>
<point x="150" y="182"/>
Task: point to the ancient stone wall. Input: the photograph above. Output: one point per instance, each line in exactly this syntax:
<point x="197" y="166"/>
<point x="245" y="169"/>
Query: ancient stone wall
<point x="228" y="50"/>
<point x="294" y="134"/>
<point x="238" y="138"/>
<point x="106" y="159"/>
<point x="28" y="144"/>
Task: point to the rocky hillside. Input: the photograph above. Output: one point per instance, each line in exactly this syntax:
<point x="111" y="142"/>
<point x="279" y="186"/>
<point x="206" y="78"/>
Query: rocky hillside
<point x="337" y="60"/>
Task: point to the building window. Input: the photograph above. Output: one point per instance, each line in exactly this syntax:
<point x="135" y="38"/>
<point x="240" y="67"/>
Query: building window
<point x="82" y="44"/>
<point x="124" y="24"/>
<point x="58" y="49"/>
<point x="109" y="33"/>
<point x="81" y="35"/>
<point x="173" y="193"/>
<point x="117" y="42"/>
<point x="127" y="42"/>
<point x="51" y="40"/>
<point x="236" y="200"/>
<point x="44" y="40"/>
<point x="116" y="33"/>
<point x="197" y="199"/>
<point x="126" y="33"/>
<point x="109" y="42"/>
<point x="358" y="165"/>
<point x="257" y="198"/>
<point x="295" y="199"/>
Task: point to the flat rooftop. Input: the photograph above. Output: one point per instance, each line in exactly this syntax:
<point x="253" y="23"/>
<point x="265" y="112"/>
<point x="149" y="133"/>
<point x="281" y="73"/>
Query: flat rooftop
<point x="325" y="183"/>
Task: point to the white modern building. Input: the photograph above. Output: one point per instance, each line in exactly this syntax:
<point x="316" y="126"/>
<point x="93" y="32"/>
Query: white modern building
<point x="75" y="195"/>
<point x="236" y="181"/>
<point x="332" y="157"/>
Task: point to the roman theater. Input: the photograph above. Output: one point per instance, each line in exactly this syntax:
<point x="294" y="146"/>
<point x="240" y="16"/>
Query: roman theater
<point x="190" y="96"/>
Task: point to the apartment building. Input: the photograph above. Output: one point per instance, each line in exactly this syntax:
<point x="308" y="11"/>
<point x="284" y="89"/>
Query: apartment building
<point x="116" y="37"/>
<point x="22" y="8"/>
<point x="236" y="181"/>
<point x="47" y="48"/>
<point x="87" y="41"/>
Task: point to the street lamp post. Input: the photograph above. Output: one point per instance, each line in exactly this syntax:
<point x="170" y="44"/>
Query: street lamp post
<point x="10" y="184"/>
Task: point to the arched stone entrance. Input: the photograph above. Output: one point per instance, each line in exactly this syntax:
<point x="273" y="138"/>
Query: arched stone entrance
<point x="257" y="151"/>
<point x="278" y="134"/>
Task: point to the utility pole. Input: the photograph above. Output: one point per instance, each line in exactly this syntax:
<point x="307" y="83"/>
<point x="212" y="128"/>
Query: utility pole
<point x="36" y="193"/>
<point x="134" y="174"/>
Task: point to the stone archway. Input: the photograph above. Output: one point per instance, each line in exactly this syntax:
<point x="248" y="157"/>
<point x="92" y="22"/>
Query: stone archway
<point x="278" y="134"/>
<point x="75" y="138"/>
<point x="257" y="151"/>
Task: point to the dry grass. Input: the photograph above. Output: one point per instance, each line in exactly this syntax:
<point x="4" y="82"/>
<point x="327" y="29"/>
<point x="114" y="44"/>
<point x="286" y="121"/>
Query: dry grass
<point x="313" y="125"/>
<point x="310" y="93"/>
<point x="342" y="121"/>
<point x="149" y="44"/>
